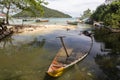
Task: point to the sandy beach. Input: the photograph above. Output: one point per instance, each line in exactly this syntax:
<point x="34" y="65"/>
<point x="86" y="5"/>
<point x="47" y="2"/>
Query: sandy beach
<point x="44" y="29"/>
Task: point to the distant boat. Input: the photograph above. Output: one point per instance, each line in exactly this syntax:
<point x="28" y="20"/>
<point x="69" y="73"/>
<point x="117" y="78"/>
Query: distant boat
<point x="38" y="20"/>
<point x="63" y="60"/>
<point x="72" y="22"/>
<point x="27" y="20"/>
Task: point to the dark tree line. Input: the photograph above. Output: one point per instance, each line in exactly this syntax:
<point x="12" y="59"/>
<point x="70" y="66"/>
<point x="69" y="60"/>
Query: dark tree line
<point x="109" y="14"/>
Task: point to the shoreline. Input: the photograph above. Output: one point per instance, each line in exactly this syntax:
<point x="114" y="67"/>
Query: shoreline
<point x="39" y="29"/>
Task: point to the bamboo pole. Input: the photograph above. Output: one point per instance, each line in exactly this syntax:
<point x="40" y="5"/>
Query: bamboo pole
<point x="63" y="44"/>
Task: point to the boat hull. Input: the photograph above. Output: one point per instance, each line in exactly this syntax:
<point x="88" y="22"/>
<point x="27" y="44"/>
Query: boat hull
<point x="60" y="62"/>
<point x="56" y="73"/>
<point x="73" y="22"/>
<point x="42" y="20"/>
<point x="57" y="67"/>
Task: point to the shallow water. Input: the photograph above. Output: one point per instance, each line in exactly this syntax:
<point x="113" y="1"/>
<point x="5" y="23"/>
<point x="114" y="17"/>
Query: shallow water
<point x="55" y="21"/>
<point x="28" y="57"/>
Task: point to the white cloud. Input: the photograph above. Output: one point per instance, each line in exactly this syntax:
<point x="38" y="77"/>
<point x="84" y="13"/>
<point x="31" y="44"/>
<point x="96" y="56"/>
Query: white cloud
<point x="74" y="7"/>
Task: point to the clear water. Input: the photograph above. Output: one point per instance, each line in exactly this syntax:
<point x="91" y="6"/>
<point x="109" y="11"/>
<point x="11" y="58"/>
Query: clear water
<point x="56" y="21"/>
<point x="28" y="57"/>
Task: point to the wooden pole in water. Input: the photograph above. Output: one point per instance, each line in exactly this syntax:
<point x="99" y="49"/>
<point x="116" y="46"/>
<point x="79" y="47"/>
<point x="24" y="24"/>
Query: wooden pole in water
<point x="63" y="44"/>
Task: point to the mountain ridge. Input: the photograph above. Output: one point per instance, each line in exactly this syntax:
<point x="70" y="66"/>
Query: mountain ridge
<point x="48" y="13"/>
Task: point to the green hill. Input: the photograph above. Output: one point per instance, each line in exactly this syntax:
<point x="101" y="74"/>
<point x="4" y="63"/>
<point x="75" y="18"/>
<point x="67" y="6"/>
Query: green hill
<point x="47" y="14"/>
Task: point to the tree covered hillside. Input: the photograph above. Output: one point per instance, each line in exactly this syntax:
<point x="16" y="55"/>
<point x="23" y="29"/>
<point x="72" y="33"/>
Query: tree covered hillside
<point x="47" y="13"/>
<point x="109" y="14"/>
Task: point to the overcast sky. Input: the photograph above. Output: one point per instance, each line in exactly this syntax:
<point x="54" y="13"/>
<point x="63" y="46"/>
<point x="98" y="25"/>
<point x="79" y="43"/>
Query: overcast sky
<point x="73" y="7"/>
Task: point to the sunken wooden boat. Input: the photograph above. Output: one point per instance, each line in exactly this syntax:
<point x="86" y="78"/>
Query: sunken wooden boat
<point x="62" y="61"/>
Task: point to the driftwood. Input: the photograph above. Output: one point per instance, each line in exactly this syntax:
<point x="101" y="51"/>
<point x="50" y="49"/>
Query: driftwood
<point x="4" y="31"/>
<point x="113" y="30"/>
<point x="5" y="34"/>
<point x="100" y="25"/>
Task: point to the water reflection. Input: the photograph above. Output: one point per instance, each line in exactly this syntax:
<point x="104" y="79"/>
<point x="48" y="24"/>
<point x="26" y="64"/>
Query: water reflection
<point x="22" y="61"/>
<point x="5" y="42"/>
<point x="28" y="57"/>
<point x="109" y="63"/>
<point x="111" y="41"/>
<point x="37" y="43"/>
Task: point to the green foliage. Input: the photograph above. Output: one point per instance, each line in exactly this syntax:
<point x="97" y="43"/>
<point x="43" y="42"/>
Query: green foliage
<point x="109" y="14"/>
<point x="99" y="13"/>
<point x="113" y="17"/>
<point x="47" y="13"/>
<point x="111" y="41"/>
<point x="13" y="6"/>
<point x="87" y="13"/>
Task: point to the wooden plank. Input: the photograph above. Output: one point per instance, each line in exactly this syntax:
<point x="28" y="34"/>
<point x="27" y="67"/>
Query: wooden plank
<point x="62" y="56"/>
<point x="62" y="52"/>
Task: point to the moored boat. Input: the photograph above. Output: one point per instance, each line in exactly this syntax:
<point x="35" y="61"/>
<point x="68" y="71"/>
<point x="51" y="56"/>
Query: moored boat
<point x="25" y="20"/>
<point x="38" y="20"/>
<point x="72" y="22"/>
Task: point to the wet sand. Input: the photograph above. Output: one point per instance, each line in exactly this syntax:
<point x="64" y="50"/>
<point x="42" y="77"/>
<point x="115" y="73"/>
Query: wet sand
<point x="44" y="29"/>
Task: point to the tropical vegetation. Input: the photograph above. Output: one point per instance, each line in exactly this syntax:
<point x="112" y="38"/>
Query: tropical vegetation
<point x="109" y="13"/>
<point x="109" y="58"/>
<point x="86" y="14"/>
<point x="15" y="6"/>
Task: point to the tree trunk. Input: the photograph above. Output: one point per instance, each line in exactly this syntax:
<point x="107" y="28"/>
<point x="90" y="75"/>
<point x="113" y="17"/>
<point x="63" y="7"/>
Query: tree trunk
<point x="7" y="17"/>
<point x="7" y="14"/>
